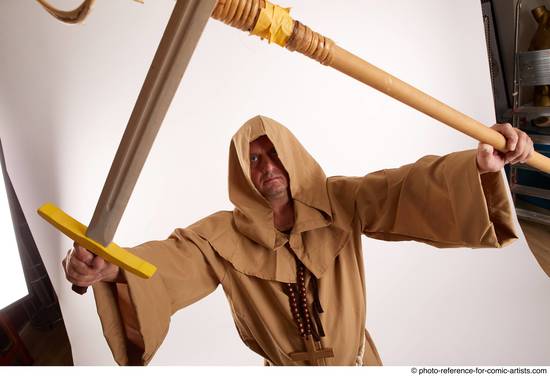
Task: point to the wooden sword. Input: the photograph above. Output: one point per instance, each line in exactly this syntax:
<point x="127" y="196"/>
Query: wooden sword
<point x="174" y="52"/>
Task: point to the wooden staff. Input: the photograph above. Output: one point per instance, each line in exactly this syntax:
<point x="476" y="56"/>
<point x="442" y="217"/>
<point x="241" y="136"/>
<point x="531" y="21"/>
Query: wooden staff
<point x="261" y="18"/>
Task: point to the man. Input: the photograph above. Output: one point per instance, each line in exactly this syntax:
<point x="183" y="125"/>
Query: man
<point x="289" y="255"/>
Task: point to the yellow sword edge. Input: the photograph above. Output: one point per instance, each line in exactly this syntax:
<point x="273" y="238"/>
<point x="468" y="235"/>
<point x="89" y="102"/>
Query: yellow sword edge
<point x="111" y="253"/>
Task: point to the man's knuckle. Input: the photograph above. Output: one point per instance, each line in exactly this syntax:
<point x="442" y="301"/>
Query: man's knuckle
<point x="70" y="276"/>
<point x="81" y="269"/>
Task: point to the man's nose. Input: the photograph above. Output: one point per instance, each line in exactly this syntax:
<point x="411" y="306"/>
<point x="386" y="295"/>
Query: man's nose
<point x="268" y="166"/>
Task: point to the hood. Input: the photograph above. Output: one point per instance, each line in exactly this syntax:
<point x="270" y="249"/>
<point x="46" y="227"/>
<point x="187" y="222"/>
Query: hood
<point x="247" y="237"/>
<point x="253" y="215"/>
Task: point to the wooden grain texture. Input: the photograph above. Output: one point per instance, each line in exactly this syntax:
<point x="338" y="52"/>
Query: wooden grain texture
<point x="176" y="47"/>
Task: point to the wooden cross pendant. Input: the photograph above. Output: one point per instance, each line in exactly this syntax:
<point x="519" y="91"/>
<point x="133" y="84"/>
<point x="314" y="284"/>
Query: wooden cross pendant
<point x="315" y="354"/>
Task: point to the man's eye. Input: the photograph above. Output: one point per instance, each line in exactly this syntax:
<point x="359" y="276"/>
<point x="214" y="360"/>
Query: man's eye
<point x="274" y="152"/>
<point x="253" y="158"/>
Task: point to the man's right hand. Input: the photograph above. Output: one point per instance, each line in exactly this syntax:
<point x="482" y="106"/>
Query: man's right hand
<point x="83" y="268"/>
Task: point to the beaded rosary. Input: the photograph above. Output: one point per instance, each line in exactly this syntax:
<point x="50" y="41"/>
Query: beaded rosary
<point x="311" y="334"/>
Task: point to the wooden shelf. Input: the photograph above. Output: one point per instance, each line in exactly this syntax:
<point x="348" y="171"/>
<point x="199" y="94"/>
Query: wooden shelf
<point x="531" y="191"/>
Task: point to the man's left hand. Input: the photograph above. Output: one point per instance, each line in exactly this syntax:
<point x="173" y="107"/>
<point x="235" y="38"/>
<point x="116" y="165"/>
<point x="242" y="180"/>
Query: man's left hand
<point x="519" y="148"/>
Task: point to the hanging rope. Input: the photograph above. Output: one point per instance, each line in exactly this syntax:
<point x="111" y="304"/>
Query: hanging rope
<point x="74" y="16"/>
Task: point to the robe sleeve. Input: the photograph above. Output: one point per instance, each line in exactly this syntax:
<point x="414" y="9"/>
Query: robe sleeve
<point x="441" y="201"/>
<point x="139" y="311"/>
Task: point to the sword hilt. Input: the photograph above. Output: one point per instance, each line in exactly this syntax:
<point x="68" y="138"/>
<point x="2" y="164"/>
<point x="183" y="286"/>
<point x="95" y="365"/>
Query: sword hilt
<point x="111" y="253"/>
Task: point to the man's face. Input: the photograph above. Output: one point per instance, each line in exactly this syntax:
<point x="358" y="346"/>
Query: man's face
<point x="266" y="170"/>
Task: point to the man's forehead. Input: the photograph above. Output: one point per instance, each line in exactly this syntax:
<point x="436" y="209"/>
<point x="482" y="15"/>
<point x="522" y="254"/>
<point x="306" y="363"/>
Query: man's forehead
<point x="261" y="143"/>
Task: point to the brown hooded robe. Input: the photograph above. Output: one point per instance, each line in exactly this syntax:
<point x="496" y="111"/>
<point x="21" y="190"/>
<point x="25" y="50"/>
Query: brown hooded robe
<point x="441" y="201"/>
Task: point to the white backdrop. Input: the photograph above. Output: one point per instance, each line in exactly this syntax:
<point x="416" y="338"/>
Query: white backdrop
<point x="66" y="93"/>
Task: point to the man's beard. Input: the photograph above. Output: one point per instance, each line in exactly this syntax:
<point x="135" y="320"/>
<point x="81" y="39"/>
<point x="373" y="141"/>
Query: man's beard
<point x="275" y="192"/>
